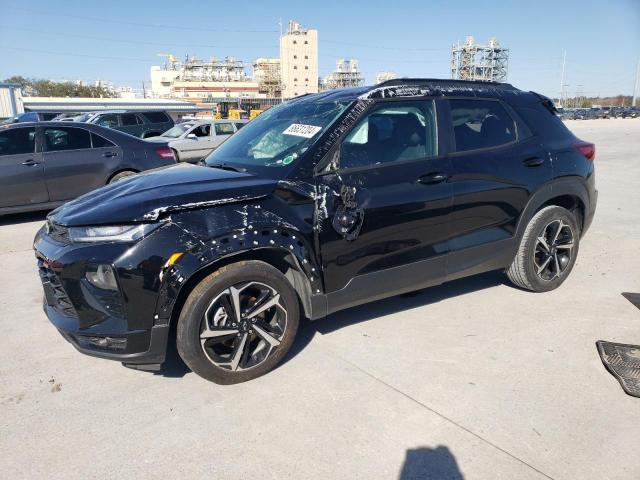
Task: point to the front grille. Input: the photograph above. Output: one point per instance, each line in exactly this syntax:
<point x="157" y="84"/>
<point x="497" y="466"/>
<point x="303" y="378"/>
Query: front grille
<point x="54" y="293"/>
<point x="57" y="232"/>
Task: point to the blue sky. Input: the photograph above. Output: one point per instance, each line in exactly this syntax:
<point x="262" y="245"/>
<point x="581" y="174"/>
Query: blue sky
<point x="119" y="40"/>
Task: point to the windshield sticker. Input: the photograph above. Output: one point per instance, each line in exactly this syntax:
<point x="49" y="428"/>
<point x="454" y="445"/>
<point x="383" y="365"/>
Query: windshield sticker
<point x="288" y="159"/>
<point x="300" y="130"/>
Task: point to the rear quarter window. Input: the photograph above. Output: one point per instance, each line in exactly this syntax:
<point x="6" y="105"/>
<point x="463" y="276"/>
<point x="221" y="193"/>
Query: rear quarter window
<point x="156" y="117"/>
<point x="544" y="123"/>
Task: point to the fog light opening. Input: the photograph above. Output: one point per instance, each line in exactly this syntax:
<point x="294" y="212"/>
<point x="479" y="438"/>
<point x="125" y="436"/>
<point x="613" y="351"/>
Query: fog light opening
<point x="102" y="276"/>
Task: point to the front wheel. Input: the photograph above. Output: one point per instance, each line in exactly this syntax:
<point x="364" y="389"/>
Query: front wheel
<point x="547" y="251"/>
<point x="238" y="323"/>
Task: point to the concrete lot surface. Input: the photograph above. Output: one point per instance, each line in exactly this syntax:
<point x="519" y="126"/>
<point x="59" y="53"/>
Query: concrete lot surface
<point x="473" y="379"/>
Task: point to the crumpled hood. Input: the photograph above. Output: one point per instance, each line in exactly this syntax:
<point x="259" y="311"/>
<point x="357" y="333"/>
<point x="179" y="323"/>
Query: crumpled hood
<point x="147" y="196"/>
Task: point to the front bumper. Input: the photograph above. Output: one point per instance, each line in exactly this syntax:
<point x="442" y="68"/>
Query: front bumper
<point x="116" y="325"/>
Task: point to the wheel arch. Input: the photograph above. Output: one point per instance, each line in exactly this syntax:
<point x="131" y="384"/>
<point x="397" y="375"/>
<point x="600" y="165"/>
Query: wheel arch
<point x="566" y="193"/>
<point x="278" y="257"/>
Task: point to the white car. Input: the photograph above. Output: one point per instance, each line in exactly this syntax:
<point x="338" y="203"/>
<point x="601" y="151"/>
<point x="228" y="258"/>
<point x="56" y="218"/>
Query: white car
<point x="194" y="140"/>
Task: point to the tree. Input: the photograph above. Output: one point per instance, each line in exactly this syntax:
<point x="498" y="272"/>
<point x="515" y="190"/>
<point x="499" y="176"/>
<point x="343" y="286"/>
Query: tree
<point x="48" y="88"/>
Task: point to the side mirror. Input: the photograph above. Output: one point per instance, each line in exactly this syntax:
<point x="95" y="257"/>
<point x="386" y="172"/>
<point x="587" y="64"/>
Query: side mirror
<point x="192" y="136"/>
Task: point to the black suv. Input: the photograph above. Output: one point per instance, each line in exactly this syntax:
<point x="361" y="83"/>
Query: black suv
<point x="143" y="124"/>
<point x="325" y="202"/>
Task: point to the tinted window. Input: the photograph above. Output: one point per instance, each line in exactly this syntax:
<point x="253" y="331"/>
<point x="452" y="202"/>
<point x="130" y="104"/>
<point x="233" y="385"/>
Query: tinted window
<point x="239" y="125"/>
<point x="224" y="128"/>
<point x="544" y="123"/>
<point x="49" y="116"/>
<point x="129" y="119"/>
<point x="156" y="117"/>
<point x="16" y="141"/>
<point x="393" y="132"/>
<point x="66" y="138"/>
<point x="480" y="124"/>
<point x="110" y="120"/>
<point x="100" y="142"/>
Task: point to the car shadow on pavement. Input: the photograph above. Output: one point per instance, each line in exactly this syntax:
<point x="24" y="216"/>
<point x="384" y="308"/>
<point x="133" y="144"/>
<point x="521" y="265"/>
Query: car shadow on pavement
<point x="174" y="366"/>
<point x="430" y="463"/>
<point x="388" y="306"/>
<point x="18" y="218"/>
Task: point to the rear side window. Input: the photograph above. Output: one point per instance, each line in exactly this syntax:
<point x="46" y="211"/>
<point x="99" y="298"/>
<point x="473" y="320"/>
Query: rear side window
<point x="156" y="117"/>
<point x="202" y="131"/>
<point x="239" y="125"/>
<point x="17" y="141"/>
<point x="398" y="131"/>
<point x="66" y="138"/>
<point x="129" y="119"/>
<point x="480" y="124"/>
<point x="100" y="142"/>
<point x="224" y="129"/>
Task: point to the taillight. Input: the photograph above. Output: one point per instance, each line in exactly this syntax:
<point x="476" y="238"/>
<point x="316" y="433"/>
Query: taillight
<point x="165" y="153"/>
<point x="587" y="149"/>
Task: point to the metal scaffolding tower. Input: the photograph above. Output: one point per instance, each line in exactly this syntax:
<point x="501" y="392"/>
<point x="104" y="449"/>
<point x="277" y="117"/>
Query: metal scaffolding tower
<point x="345" y="75"/>
<point x="473" y="61"/>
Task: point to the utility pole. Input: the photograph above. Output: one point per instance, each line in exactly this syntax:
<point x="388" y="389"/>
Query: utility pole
<point x="564" y="59"/>
<point x="635" y="86"/>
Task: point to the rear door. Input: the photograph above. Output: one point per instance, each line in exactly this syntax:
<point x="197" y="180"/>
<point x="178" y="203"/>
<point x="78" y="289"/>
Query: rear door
<point x="496" y="165"/>
<point x="385" y="212"/>
<point x="21" y="170"/>
<point x="222" y="130"/>
<point x="72" y="167"/>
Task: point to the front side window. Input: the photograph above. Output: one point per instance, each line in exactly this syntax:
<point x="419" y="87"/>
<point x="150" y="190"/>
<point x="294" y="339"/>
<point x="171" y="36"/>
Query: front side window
<point x="17" y="141"/>
<point x="177" y="130"/>
<point x="480" y="124"/>
<point x="279" y="136"/>
<point x="109" y="120"/>
<point x="66" y="138"/>
<point x="202" y="130"/>
<point x="224" y="129"/>
<point x="392" y="132"/>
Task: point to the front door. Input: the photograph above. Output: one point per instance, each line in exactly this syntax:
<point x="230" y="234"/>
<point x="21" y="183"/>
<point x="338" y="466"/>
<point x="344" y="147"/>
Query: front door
<point x="383" y="215"/>
<point x="21" y="170"/>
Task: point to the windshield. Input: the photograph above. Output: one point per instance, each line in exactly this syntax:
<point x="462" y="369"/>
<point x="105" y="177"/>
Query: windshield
<point x="279" y="136"/>
<point x="177" y="130"/>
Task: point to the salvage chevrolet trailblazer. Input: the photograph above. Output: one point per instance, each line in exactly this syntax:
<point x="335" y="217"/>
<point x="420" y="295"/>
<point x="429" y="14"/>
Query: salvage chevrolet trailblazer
<point x="323" y="203"/>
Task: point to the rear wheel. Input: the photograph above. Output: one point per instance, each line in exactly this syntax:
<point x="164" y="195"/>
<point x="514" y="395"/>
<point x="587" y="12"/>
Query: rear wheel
<point x="547" y="251"/>
<point x="238" y="323"/>
<point x="121" y="175"/>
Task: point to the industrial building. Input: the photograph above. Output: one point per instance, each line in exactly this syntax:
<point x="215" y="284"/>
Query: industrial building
<point x="299" y="61"/>
<point x="266" y="71"/>
<point x="472" y="61"/>
<point x="345" y="75"/>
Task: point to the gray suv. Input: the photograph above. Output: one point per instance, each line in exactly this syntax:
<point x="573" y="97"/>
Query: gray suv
<point x="141" y="124"/>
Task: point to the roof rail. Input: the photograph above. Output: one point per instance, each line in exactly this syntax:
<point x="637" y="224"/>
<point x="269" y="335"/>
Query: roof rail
<point x="440" y="81"/>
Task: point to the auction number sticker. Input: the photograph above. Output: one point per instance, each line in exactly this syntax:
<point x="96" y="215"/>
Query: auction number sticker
<point x="301" y="130"/>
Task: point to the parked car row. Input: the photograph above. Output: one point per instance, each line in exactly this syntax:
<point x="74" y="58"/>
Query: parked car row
<point x="598" y="112"/>
<point x="44" y="164"/>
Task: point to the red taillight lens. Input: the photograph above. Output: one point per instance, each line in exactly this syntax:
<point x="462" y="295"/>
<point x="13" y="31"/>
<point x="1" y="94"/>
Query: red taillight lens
<point x="165" y="153"/>
<point x="587" y="149"/>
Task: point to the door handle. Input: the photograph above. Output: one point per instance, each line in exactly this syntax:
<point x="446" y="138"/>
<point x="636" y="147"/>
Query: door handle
<point x="109" y="154"/>
<point x="29" y="163"/>
<point x="533" y="162"/>
<point x="433" y="178"/>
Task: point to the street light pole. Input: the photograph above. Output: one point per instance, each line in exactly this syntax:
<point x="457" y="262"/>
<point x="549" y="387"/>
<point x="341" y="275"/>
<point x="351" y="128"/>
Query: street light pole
<point x="635" y="85"/>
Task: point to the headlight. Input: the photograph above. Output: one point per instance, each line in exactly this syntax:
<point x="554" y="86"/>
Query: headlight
<point x="113" y="233"/>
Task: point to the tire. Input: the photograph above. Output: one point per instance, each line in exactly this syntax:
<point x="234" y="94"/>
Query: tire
<point x="544" y="262"/>
<point x="121" y="175"/>
<point x="223" y="350"/>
